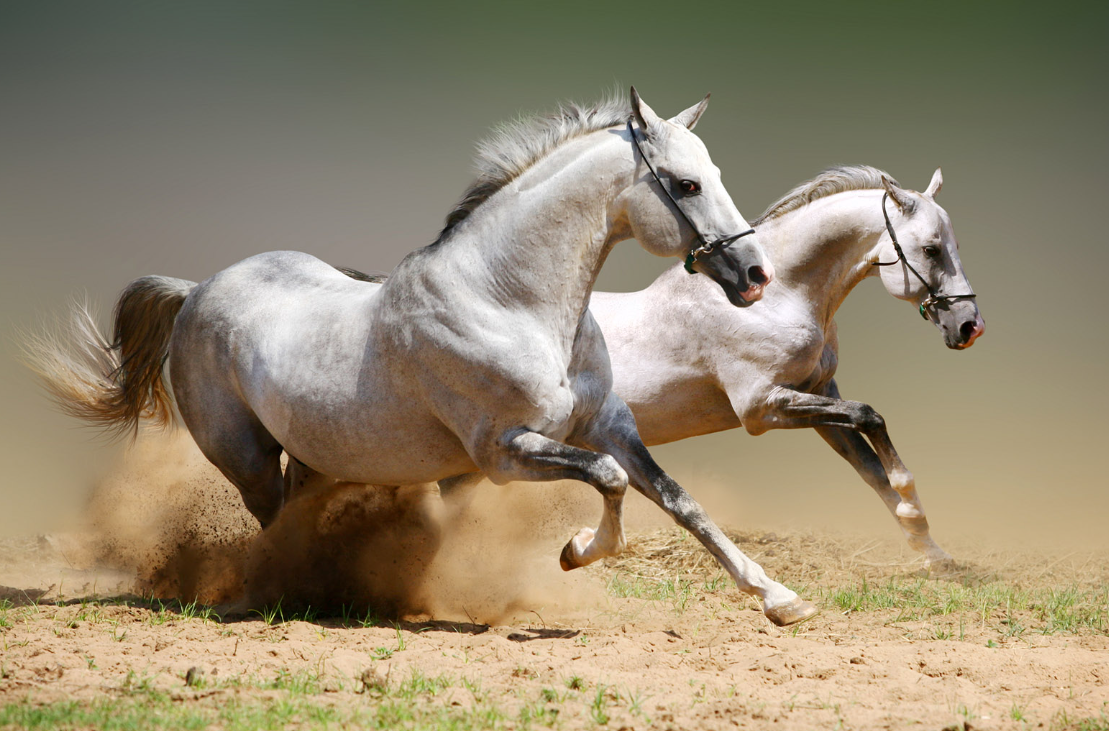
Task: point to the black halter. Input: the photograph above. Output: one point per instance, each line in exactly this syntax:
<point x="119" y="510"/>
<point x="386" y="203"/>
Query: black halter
<point x="707" y="247"/>
<point x="934" y="298"/>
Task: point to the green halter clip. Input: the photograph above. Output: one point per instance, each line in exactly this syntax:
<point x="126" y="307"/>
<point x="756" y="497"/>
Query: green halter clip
<point x="689" y="262"/>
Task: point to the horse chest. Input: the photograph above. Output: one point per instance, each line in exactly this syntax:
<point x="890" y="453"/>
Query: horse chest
<point x="816" y="362"/>
<point x="788" y="350"/>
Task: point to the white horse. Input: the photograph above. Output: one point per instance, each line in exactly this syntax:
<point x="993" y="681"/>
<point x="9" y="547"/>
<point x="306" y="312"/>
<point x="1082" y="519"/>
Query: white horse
<point x="687" y="363"/>
<point x="476" y="356"/>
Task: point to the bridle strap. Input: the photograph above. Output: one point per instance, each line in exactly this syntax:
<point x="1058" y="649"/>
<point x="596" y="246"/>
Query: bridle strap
<point x="707" y="247"/>
<point x="934" y="298"/>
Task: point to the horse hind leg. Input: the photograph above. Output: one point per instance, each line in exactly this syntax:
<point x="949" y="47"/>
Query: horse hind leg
<point x="224" y="427"/>
<point x="301" y="479"/>
<point x="250" y="458"/>
<point x="255" y="468"/>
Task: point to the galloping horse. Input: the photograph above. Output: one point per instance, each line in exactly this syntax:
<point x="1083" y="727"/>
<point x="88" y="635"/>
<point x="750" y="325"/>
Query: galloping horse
<point x="687" y="363"/>
<point x="476" y="356"/>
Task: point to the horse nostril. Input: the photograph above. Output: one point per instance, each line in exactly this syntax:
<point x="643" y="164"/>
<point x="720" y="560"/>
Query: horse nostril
<point x="967" y="329"/>
<point x="758" y="276"/>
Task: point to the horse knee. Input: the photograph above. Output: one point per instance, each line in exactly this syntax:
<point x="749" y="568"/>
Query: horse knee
<point x="755" y="423"/>
<point x="610" y="477"/>
<point x="870" y="420"/>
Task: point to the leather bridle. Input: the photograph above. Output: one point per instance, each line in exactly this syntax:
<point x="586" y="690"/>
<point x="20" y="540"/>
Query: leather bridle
<point x="707" y="248"/>
<point x="934" y="298"/>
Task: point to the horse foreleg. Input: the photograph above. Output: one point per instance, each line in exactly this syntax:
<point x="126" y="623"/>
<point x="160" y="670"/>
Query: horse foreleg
<point x="843" y="424"/>
<point x="614" y="432"/>
<point x="532" y="457"/>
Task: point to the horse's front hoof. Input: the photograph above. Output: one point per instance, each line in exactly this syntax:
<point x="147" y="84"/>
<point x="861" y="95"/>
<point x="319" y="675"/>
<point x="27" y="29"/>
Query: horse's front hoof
<point x="573" y="553"/>
<point x="796" y="611"/>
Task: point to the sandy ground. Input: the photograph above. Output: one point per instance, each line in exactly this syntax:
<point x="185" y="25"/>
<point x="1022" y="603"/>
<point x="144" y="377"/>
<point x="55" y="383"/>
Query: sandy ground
<point x="484" y="619"/>
<point x="705" y="658"/>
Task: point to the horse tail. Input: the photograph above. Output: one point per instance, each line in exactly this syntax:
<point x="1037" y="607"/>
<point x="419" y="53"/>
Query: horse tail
<point x="113" y="385"/>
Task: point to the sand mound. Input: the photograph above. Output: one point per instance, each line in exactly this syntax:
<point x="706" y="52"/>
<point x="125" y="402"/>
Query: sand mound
<point x="167" y="516"/>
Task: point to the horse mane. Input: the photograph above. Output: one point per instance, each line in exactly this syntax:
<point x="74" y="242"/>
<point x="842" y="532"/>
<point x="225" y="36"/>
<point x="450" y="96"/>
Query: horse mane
<point x="514" y="147"/>
<point x="375" y="278"/>
<point x="838" y="179"/>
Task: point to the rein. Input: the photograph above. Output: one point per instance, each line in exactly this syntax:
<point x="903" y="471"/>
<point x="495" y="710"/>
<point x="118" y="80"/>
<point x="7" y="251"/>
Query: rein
<point x="707" y="247"/>
<point x="934" y="298"/>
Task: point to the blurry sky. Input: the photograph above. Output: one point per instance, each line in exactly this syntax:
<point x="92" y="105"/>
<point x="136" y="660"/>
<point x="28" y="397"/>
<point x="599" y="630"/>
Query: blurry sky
<point x="178" y="138"/>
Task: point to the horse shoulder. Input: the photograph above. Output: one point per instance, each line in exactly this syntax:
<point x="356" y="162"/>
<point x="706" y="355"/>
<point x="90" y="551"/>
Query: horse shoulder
<point x="477" y="361"/>
<point x="782" y="346"/>
<point x="590" y="369"/>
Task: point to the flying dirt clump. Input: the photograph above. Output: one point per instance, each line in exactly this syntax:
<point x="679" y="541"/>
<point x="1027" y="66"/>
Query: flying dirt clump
<point x="169" y="518"/>
<point x="349" y="545"/>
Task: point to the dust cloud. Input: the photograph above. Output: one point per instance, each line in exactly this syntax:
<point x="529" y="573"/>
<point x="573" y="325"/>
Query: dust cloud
<point x="167" y="517"/>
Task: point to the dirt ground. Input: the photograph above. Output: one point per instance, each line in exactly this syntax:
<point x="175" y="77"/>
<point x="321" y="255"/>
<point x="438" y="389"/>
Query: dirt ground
<point x="484" y="631"/>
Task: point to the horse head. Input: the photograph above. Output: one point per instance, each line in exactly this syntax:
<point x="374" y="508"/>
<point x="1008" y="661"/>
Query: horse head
<point x="920" y="258"/>
<point x="679" y="206"/>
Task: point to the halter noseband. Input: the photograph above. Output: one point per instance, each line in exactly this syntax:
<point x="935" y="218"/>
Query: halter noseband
<point x="707" y="247"/>
<point x="934" y="298"/>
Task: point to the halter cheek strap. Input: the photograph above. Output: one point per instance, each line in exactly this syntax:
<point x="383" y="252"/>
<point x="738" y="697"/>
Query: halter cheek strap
<point x="934" y="298"/>
<point x="707" y="247"/>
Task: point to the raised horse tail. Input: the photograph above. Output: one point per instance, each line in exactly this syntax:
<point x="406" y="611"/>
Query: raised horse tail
<point x="113" y="385"/>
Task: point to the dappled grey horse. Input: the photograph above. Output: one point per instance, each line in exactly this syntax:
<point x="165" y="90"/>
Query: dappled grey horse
<point x="477" y="355"/>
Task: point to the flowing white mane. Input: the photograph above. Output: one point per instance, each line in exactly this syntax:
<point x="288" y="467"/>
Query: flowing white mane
<point x="516" y="146"/>
<point x="839" y="179"/>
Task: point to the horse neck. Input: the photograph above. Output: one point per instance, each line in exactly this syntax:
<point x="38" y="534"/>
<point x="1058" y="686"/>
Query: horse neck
<point x="824" y="249"/>
<point x="540" y="242"/>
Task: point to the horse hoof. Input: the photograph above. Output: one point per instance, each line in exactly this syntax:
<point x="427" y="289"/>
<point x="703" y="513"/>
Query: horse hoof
<point x="796" y="611"/>
<point x="573" y="554"/>
<point x="945" y="566"/>
<point x="567" y="560"/>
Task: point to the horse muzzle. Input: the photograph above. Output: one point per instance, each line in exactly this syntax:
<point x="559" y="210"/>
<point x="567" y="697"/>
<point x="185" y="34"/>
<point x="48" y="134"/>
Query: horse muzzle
<point x="969" y="331"/>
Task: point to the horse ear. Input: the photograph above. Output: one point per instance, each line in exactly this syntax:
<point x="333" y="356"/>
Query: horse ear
<point x="644" y="115"/>
<point x="900" y="197"/>
<point x="935" y="185"/>
<point x="689" y="117"/>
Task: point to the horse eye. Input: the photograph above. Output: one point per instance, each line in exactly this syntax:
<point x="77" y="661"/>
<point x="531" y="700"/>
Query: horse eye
<point x="932" y="251"/>
<point x="689" y="187"/>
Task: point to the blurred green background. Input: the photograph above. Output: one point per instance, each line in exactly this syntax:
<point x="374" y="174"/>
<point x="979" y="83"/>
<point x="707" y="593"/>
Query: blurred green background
<point x="178" y="138"/>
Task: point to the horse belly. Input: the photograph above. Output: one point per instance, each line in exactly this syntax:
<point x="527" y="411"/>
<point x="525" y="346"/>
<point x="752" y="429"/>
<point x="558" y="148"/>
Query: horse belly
<point x="671" y="403"/>
<point x="678" y="409"/>
<point x="385" y="453"/>
<point x="353" y="424"/>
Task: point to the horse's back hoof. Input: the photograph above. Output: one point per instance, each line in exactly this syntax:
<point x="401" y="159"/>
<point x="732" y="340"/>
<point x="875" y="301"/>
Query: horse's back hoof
<point x="796" y="611"/>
